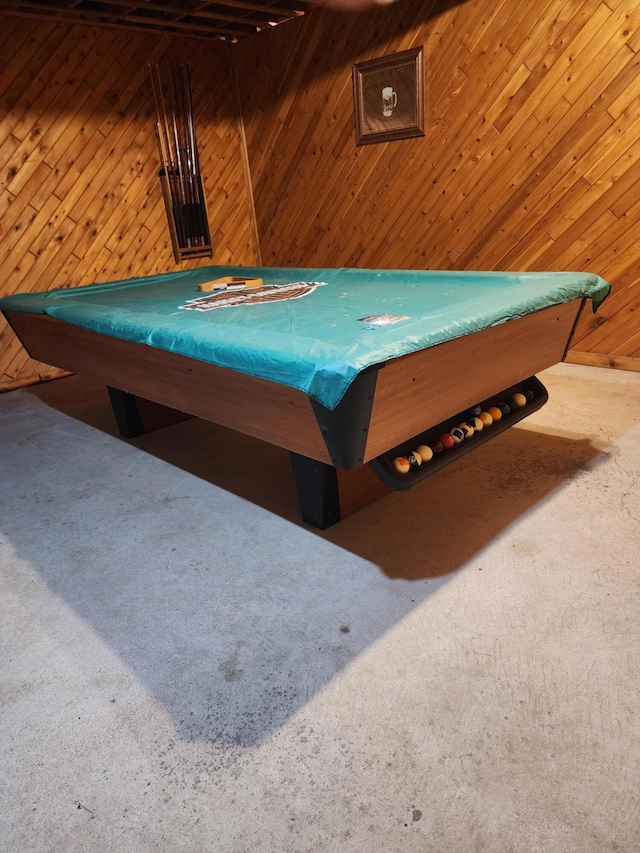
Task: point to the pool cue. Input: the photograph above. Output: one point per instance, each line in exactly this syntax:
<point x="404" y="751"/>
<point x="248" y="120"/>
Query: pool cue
<point x="176" y="193"/>
<point x="186" y="164"/>
<point x="181" y="184"/>
<point x="194" y="154"/>
<point x="193" y="157"/>
<point x="189" y="156"/>
<point x="175" y="132"/>
<point x="170" y="165"/>
<point x="180" y="93"/>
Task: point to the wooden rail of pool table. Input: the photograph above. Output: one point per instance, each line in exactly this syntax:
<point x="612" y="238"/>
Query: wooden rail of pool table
<point x="425" y="388"/>
<point x="412" y="393"/>
<point x="265" y="410"/>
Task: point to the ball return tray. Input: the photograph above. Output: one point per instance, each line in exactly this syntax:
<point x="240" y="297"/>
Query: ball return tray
<point x="385" y="469"/>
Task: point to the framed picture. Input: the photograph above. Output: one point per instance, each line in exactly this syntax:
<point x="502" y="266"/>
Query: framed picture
<point x="388" y="95"/>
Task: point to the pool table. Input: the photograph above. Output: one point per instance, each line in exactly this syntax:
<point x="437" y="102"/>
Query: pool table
<point x="347" y="370"/>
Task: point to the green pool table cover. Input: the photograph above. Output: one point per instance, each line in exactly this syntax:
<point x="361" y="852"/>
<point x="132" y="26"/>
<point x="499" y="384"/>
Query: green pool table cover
<point x="318" y="342"/>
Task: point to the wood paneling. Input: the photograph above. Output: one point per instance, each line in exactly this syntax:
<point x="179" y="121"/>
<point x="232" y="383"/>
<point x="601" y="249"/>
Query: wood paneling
<point x="530" y="158"/>
<point x="80" y="198"/>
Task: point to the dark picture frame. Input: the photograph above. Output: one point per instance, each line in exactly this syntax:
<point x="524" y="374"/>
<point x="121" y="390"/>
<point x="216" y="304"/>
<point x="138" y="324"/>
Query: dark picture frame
<point x="388" y="95"/>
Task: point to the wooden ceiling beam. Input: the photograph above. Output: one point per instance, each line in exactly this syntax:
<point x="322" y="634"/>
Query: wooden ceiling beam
<point x="271" y="8"/>
<point x="159" y="23"/>
<point x="211" y="33"/>
<point x="198" y="19"/>
<point x="181" y="13"/>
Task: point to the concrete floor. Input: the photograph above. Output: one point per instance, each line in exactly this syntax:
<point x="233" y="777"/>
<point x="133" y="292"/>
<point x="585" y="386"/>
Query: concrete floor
<point x="185" y="667"/>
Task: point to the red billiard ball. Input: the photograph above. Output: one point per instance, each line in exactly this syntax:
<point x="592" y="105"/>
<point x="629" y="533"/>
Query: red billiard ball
<point x="446" y="440"/>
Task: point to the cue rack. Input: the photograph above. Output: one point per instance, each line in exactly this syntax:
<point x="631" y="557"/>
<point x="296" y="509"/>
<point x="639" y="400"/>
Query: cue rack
<point x="179" y="174"/>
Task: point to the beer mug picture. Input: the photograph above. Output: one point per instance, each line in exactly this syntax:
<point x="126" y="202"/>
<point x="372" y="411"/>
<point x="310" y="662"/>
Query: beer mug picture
<point x="388" y="97"/>
<point x="389" y="101"/>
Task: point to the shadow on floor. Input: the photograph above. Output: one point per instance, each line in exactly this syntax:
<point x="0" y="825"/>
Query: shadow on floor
<point x="233" y="618"/>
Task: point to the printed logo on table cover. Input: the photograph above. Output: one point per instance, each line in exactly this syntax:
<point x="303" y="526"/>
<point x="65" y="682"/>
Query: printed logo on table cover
<point x="233" y="295"/>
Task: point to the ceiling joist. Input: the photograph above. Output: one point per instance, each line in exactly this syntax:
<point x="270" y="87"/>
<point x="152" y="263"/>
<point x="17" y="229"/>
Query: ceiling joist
<point x="226" y="21"/>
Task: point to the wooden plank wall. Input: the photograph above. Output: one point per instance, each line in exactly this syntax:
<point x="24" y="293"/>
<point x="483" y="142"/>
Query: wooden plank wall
<point x="80" y="200"/>
<point x="530" y="159"/>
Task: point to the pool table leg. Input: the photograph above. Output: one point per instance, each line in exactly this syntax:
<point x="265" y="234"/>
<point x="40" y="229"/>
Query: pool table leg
<point x="317" y="487"/>
<point x="127" y="414"/>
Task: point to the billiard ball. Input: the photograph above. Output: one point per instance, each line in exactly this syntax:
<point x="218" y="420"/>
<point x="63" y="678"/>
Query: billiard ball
<point x="529" y="394"/>
<point x="414" y="459"/>
<point x="485" y="418"/>
<point x="447" y="440"/>
<point x="467" y="429"/>
<point x="476" y="423"/>
<point x="475" y="411"/>
<point x="425" y="452"/>
<point x="505" y="408"/>
<point x="495" y="413"/>
<point x="457" y="435"/>
<point x="518" y="401"/>
<point x="437" y="447"/>
<point x="401" y="464"/>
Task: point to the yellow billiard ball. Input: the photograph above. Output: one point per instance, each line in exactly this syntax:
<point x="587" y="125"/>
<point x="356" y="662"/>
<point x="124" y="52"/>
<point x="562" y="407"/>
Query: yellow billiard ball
<point x="425" y="452"/>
